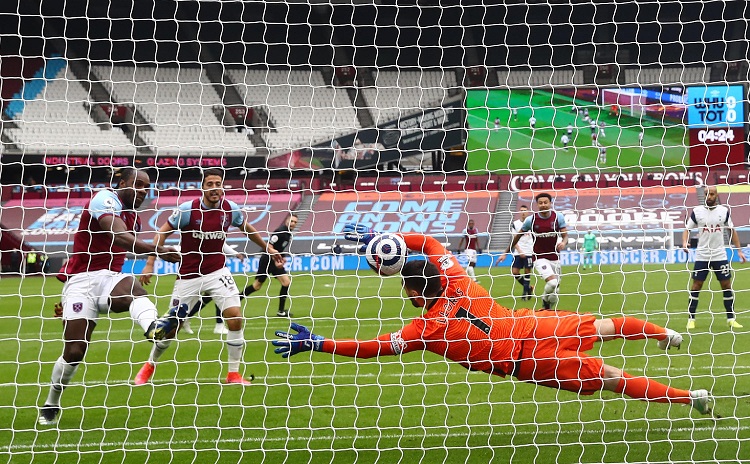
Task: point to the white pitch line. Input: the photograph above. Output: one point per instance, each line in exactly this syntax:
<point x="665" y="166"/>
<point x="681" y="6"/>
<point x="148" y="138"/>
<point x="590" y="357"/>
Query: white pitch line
<point x="149" y="445"/>
<point x="279" y="379"/>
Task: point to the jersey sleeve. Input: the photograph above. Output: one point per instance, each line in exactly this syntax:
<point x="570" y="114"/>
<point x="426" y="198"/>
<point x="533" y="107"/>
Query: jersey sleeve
<point x="105" y="203"/>
<point x="561" y="221"/>
<point x="728" y="222"/>
<point x="692" y="221"/>
<point x="435" y="252"/>
<point x="237" y="217"/>
<point x="527" y="224"/>
<point x="180" y="217"/>
<point x="391" y="344"/>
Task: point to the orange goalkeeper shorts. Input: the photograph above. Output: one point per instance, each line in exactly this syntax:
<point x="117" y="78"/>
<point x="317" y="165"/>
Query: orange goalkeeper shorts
<point x="554" y="354"/>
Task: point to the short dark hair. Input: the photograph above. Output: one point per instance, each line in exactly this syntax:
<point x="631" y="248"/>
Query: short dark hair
<point x="543" y="195"/>
<point x="423" y="276"/>
<point x="523" y="207"/>
<point x="212" y="172"/>
<point x="126" y="173"/>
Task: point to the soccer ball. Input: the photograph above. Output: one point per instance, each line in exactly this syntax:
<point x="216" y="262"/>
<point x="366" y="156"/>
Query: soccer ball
<point x="386" y="254"/>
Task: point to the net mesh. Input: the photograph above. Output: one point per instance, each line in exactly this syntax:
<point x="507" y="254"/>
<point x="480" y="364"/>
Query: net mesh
<point x="402" y="117"/>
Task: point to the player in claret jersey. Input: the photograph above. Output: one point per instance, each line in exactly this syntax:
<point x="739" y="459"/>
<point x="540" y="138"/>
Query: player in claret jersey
<point x="546" y="226"/>
<point x="94" y="282"/>
<point x="471" y="238"/>
<point x="203" y="224"/>
<point x="712" y="220"/>
<point x="463" y="323"/>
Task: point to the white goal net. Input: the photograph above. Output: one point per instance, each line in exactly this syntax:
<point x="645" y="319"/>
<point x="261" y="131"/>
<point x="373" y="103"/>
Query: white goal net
<point x="413" y="117"/>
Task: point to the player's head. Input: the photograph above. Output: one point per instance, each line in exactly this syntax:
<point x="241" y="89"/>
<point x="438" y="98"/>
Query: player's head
<point x="421" y="281"/>
<point x="712" y="195"/>
<point x="524" y="210"/>
<point x="544" y="201"/>
<point x="132" y="187"/>
<point x="291" y="221"/>
<point x="471" y="224"/>
<point x="212" y="185"/>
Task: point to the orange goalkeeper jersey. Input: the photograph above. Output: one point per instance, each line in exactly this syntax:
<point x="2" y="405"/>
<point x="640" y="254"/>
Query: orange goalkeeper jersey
<point x="464" y="324"/>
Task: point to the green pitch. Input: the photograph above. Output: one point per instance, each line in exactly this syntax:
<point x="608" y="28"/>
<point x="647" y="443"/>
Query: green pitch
<point x="321" y="408"/>
<point x="513" y="149"/>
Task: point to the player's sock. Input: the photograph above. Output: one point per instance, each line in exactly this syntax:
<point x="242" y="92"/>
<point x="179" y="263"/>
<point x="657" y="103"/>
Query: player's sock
<point x="235" y="343"/>
<point x="470" y="271"/>
<point x="62" y="373"/>
<point x="550" y="291"/>
<point x="519" y="279"/>
<point x="632" y="328"/>
<point x="282" y="298"/>
<point x="527" y="283"/>
<point x="693" y="303"/>
<point x="219" y="319"/>
<point x="643" y="388"/>
<point x="158" y="349"/>
<point x="143" y="311"/>
<point x="729" y="303"/>
<point x="249" y="290"/>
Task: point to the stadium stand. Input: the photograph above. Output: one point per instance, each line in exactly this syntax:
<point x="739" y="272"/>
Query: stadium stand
<point x="321" y="112"/>
<point x="668" y="75"/>
<point x="55" y="120"/>
<point x="179" y="104"/>
<point x="398" y="93"/>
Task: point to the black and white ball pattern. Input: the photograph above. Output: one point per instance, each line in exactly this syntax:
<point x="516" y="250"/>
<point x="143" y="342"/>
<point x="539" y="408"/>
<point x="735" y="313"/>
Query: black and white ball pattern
<point x="386" y="254"/>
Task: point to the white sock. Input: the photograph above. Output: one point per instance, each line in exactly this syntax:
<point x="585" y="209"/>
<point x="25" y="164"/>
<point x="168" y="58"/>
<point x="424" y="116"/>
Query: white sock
<point x="470" y="271"/>
<point x="158" y="349"/>
<point x="235" y="344"/>
<point x="62" y="373"/>
<point x="550" y="291"/>
<point x="143" y="312"/>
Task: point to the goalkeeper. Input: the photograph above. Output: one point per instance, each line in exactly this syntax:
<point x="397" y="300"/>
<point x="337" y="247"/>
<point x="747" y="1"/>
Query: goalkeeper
<point x="462" y="322"/>
<point x="590" y="245"/>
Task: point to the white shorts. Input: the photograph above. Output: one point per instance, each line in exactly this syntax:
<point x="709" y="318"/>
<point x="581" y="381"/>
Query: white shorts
<point x="86" y="295"/>
<point x="546" y="268"/>
<point x="471" y="255"/>
<point x="219" y="285"/>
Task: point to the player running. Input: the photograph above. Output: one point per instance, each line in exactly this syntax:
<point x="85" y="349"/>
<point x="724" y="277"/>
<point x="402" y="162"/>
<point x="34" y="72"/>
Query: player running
<point x="463" y="323"/>
<point x="590" y="245"/>
<point x="94" y="282"/>
<point x="522" y="254"/>
<point x="280" y="239"/>
<point x="203" y="224"/>
<point x="546" y="226"/>
<point x="471" y="238"/>
<point x="712" y="220"/>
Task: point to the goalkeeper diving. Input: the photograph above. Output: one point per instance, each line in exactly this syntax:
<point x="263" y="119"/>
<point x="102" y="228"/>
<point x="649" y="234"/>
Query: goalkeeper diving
<point x="462" y="322"/>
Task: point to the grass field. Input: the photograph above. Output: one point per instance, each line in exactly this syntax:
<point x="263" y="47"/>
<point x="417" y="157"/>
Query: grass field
<point x="512" y="149"/>
<point x="320" y="408"/>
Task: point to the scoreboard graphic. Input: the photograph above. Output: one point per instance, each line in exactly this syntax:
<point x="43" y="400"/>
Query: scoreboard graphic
<point x="716" y="125"/>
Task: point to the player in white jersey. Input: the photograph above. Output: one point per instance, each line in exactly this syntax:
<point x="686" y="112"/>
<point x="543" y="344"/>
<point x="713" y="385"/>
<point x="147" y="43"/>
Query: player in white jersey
<point x="712" y="220"/>
<point x="523" y="254"/>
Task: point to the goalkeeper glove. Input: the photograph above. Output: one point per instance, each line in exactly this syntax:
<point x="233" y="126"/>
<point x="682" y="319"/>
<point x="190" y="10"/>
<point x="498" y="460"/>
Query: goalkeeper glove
<point x="292" y="344"/>
<point x="359" y="233"/>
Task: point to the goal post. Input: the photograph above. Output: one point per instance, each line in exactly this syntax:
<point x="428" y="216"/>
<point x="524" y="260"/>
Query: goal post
<point x="416" y="117"/>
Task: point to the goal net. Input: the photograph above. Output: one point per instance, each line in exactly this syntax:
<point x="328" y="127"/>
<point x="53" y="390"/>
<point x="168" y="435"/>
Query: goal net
<point x="413" y="117"/>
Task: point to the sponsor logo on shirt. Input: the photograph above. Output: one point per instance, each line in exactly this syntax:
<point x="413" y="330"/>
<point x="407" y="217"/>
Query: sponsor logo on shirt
<point x="217" y="235"/>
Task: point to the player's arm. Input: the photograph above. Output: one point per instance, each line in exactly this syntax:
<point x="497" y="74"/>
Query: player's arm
<point x="159" y="240"/>
<point x="124" y="238"/>
<point x="461" y="242"/>
<point x="396" y="343"/>
<point x="231" y="252"/>
<point x="564" y="242"/>
<point x="690" y="224"/>
<point x="736" y="242"/>
<point x="436" y="253"/>
<point x="255" y="237"/>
